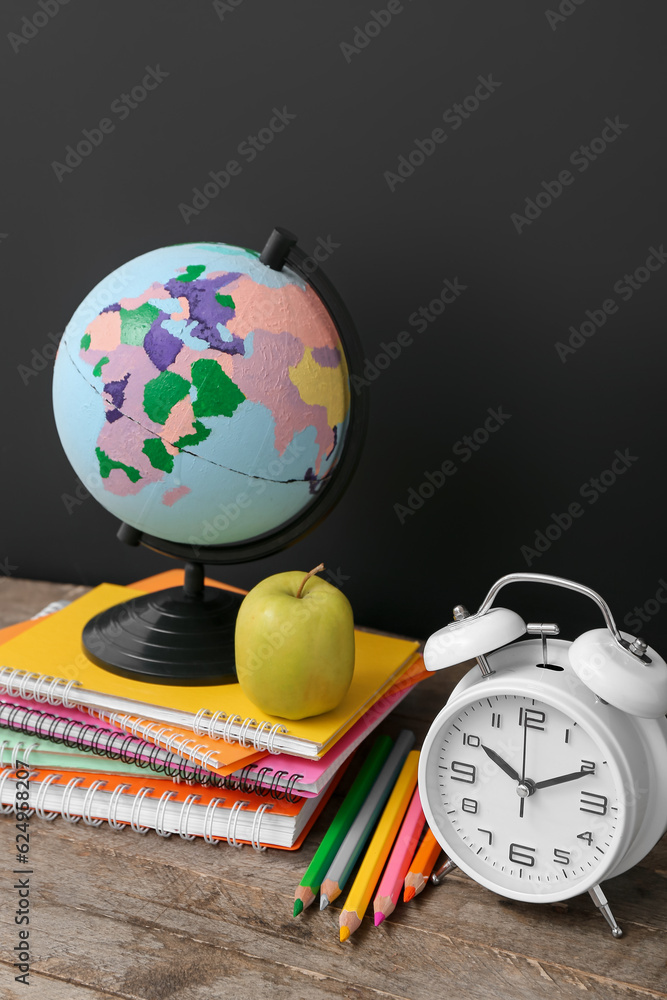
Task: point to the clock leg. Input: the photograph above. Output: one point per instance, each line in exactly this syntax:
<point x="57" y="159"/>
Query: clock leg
<point x="437" y="877"/>
<point x="600" y="901"/>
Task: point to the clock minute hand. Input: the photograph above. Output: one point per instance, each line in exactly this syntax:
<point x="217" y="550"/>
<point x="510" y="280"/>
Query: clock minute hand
<point x="502" y="764"/>
<point x="560" y="779"/>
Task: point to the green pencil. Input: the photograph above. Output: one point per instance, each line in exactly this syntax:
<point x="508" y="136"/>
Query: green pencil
<point x="310" y="883"/>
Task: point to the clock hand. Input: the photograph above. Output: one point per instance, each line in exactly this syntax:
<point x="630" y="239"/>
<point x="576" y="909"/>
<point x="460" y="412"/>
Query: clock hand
<point x="560" y="779"/>
<point x="502" y="764"/>
<point x="523" y="763"/>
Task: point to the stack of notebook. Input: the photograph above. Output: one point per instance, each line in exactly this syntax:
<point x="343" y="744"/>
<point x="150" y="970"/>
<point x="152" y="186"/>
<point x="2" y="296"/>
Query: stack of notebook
<point x="193" y="761"/>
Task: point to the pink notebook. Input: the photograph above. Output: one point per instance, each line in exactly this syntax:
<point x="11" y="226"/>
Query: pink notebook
<point x="76" y="730"/>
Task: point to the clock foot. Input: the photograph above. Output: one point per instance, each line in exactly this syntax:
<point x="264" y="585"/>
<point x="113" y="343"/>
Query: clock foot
<point x="600" y="901"/>
<point x="437" y="877"/>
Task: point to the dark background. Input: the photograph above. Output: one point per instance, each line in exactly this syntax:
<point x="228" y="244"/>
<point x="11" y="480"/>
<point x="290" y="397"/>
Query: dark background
<point x="324" y="177"/>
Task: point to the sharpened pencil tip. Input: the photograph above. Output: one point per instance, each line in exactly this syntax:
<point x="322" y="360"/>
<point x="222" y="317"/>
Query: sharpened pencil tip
<point x="408" y="893"/>
<point x="298" y="907"/>
<point x="344" y="933"/>
<point x="378" y="918"/>
<point x="324" y="902"/>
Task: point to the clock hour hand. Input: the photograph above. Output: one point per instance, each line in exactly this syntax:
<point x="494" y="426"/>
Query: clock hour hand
<point x="560" y="779"/>
<point x="502" y="764"/>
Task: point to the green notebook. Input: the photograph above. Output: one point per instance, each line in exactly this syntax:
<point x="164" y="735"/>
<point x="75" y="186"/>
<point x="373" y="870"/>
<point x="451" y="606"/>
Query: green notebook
<point x="36" y="753"/>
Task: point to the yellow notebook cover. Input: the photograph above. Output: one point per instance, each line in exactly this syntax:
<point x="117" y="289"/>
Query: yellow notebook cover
<point x="52" y="648"/>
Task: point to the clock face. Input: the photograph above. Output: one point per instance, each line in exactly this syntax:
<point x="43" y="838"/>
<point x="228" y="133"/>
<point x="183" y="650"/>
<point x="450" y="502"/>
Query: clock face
<point x="525" y="798"/>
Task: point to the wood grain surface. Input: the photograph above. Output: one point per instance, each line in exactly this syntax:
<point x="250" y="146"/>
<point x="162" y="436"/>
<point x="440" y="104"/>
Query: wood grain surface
<point x="115" y="914"/>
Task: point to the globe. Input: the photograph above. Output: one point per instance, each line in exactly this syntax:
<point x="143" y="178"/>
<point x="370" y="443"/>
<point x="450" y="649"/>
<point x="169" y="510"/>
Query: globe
<point x="202" y="396"/>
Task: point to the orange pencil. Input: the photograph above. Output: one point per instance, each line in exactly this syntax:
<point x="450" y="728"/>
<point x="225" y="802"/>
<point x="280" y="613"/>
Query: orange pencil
<point x="422" y="866"/>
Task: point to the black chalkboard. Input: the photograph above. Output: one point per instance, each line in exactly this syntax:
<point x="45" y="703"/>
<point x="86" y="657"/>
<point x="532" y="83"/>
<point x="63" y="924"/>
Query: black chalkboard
<point x="484" y="182"/>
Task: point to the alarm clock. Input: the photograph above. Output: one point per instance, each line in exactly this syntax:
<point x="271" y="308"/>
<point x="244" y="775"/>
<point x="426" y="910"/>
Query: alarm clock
<point x="543" y="775"/>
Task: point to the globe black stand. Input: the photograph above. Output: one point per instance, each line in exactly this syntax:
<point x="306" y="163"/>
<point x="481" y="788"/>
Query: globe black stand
<point x="186" y="635"/>
<point x="175" y="635"/>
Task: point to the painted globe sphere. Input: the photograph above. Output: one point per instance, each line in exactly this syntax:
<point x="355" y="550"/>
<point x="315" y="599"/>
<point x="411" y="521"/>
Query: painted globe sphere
<point x="202" y="397"/>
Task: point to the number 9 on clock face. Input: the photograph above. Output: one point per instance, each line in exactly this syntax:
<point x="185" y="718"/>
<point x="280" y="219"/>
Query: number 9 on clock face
<point x="523" y="796"/>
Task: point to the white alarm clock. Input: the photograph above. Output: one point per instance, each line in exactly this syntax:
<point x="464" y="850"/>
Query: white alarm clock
<point x="546" y="771"/>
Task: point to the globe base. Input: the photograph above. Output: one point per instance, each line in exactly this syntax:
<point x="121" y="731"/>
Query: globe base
<point x="179" y="635"/>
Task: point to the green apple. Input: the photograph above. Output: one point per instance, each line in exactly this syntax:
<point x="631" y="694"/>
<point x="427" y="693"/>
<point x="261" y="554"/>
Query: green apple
<point x="295" y="645"/>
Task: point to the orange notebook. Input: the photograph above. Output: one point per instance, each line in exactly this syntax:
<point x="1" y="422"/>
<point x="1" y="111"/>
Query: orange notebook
<point x="168" y="807"/>
<point x="174" y="578"/>
<point x="213" y="754"/>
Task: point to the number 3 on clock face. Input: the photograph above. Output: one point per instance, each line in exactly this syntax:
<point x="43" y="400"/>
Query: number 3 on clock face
<point x="526" y="799"/>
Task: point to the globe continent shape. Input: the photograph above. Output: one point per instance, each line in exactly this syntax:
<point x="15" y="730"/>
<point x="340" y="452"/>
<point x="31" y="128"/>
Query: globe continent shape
<point x="201" y="396"/>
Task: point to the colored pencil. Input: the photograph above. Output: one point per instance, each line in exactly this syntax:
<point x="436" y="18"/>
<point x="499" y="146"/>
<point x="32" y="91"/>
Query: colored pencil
<point x="342" y="821"/>
<point x="389" y="890"/>
<point x="421" y="867"/>
<point x="356" y="837"/>
<point x="378" y="850"/>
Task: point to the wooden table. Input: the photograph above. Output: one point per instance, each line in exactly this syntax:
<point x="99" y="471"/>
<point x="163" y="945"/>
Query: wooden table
<point x="115" y="914"/>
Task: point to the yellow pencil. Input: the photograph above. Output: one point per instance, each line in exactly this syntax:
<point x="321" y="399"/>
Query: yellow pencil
<point x="380" y="846"/>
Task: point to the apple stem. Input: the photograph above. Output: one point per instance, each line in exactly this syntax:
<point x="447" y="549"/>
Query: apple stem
<point x="318" y="569"/>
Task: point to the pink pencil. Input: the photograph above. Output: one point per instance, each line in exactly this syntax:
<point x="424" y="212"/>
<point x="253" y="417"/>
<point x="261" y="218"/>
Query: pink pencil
<point x="399" y="860"/>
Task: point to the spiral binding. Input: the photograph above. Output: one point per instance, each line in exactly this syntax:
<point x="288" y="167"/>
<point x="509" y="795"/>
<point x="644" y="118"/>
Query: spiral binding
<point x="159" y="815"/>
<point x="199" y="772"/>
<point x="209" y="760"/>
<point x="113" y="820"/>
<point x="184" y="817"/>
<point x="178" y="743"/>
<point x="220" y="726"/>
<point x="276" y="729"/>
<point x="64" y="694"/>
<point x="5" y="810"/>
<point x="232" y="822"/>
<point x="289" y="788"/>
<point x="37" y="690"/>
<point x="127" y="747"/>
<point x="227" y="727"/>
<point x="136" y="810"/>
<point x="261" y="784"/>
<point x="201" y="723"/>
<point x="243" y="732"/>
<point x="94" y="739"/>
<point x="217" y="725"/>
<point x="67" y="797"/>
<point x="133" y="748"/>
<point x="257" y="736"/>
<point x="135" y="817"/>
<point x="19" y="752"/>
<point x="261" y="788"/>
<point x="18" y="683"/>
<point x="256" y="826"/>
<point x="208" y="819"/>
<point x="89" y="802"/>
<point x="41" y="794"/>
